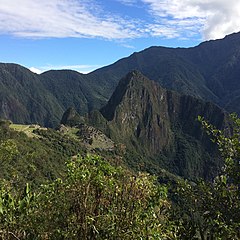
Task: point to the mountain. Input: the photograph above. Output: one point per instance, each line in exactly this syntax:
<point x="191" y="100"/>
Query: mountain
<point x="24" y="99"/>
<point x="71" y="117"/>
<point x="209" y="71"/>
<point x="73" y="89"/>
<point x="162" y="125"/>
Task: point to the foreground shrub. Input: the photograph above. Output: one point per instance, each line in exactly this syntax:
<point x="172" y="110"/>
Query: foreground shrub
<point x="97" y="201"/>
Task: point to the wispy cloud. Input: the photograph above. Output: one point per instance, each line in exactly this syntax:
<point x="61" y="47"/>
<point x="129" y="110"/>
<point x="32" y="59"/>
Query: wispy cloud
<point x="128" y="2"/>
<point x="89" y="19"/>
<point x="62" y="18"/>
<point x="80" y="68"/>
<point x="211" y="18"/>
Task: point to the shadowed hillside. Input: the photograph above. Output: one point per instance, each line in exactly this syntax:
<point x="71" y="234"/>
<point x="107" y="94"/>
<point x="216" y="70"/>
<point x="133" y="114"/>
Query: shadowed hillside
<point x="209" y="71"/>
<point x="162" y="125"/>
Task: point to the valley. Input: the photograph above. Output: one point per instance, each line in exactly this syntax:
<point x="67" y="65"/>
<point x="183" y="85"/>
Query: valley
<point x="147" y="142"/>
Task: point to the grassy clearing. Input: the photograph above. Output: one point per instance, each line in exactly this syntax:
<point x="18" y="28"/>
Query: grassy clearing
<point x="27" y="129"/>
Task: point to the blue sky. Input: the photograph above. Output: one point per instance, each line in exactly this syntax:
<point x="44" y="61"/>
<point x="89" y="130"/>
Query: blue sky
<point x="87" y="34"/>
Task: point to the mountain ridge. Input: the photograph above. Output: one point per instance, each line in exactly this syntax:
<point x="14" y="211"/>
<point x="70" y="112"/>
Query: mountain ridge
<point x="23" y="97"/>
<point x="209" y="71"/>
<point x="162" y="125"/>
<point x="187" y="70"/>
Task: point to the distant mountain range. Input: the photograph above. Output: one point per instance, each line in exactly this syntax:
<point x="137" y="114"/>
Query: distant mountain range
<point x="24" y="98"/>
<point x="149" y="102"/>
<point x="209" y="71"/>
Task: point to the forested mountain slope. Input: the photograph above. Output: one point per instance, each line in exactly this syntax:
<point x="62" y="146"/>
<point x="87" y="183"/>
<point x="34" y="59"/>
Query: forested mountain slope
<point x="24" y="99"/>
<point x="209" y="71"/>
<point x="162" y="125"/>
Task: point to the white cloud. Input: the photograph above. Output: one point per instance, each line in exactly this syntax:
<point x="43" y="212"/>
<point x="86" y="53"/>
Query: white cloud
<point x="80" y="68"/>
<point x="128" y="2"/>
<point x="212" y="18"/>
<point x="35" y="70"/>
<point x="87" y="19"/>
<point x="127" y="46"/>
<point x="158" y="30"/>
<point x="61" y="18"/>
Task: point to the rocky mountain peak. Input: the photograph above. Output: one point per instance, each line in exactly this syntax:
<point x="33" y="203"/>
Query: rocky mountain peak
<point x="161" y="124"/>
<point x="133" y="86"/>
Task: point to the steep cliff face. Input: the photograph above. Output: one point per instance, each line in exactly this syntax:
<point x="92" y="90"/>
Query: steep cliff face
<point x="163" y="125"/>
<point x="138" y="110"/>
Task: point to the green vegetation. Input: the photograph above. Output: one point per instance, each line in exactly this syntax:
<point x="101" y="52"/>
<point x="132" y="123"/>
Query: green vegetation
<point x="95" y="200"/>
<point x="211" y="210"/>
<point x="34" y="154"/>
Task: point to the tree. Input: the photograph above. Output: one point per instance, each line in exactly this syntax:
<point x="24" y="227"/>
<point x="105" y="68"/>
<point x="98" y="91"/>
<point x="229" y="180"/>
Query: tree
<point x="211" y="210"/>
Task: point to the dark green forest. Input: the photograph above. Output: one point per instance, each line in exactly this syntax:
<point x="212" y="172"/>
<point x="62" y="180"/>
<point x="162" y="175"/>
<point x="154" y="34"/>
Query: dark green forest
<point x="209" y="71"/>
<point x="95" y="197"/>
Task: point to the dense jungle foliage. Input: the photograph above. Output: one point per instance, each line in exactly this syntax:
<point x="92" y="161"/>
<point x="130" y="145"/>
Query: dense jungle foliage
<point x="96" y="200"/>
<point x="34" y="159"/>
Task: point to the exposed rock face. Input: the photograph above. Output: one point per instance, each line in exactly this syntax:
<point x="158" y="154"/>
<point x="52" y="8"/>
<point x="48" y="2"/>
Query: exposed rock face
<point x="138" y="108"/>
<point x="158" y="122"/>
